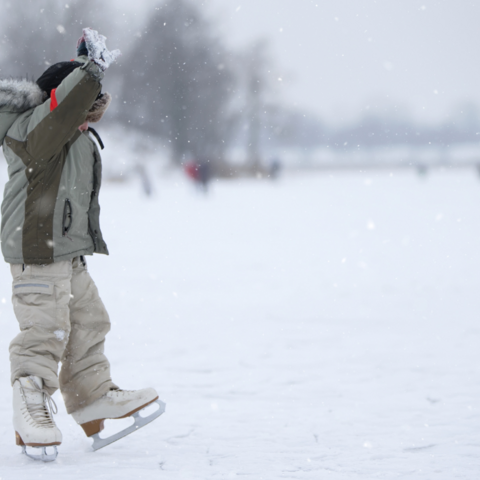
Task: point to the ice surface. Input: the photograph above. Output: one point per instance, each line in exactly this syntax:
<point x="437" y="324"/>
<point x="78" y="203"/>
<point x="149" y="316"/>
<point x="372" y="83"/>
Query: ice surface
<point x="288" y="339"/>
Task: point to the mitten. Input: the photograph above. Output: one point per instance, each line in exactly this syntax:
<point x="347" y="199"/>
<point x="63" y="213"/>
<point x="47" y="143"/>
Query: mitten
<point x="92" y="44"/>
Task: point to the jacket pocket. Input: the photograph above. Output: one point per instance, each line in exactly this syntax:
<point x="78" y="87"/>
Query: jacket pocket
<point x="32" y="286"/>
<point x="67" y="217"/>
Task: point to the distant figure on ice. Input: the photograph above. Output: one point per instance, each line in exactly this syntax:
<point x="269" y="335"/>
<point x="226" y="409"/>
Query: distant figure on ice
<point x="200" y="173"/>
<point x="50" y="222"/>
<point x="144" y="179"/>
<point x="274" y="168"/>
<point x="204" y="174"/>
<point x="191" y="170"/>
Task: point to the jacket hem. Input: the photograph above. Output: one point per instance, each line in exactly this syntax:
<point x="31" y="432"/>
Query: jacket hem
<point x="56" y="258"/>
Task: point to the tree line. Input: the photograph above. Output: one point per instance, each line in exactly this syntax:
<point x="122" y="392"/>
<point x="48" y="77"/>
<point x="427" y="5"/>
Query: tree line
<point x="180" y="83"/>
<point x="177" y="80"/>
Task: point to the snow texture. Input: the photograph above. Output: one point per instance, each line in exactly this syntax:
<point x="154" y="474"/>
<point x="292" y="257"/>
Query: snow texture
<point x="97" y="50"/>
<point x="60" y="334"/>
<point x="288" y="338"/>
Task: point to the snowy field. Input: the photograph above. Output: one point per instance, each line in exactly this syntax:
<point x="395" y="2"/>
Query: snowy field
<point x="322" y="327"/>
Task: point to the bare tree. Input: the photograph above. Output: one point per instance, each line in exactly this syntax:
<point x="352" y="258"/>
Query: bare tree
<point x="37" y="34"/>
<point x="30" y="36"/>
<point x="255" y="91"/>
<point x="179" y="83"/>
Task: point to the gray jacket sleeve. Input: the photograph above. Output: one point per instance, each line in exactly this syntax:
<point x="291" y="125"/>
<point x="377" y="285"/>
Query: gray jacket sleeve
<point x="50" y="127"/>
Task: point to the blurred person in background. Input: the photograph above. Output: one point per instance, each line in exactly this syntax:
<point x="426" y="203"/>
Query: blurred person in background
<point x="274" y="168"/>
<point x="200" y="172"/>
<point x="204" y="174"/>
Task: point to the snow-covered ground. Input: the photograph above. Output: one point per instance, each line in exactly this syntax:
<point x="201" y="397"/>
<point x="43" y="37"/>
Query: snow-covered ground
<point x="321" y="327"/>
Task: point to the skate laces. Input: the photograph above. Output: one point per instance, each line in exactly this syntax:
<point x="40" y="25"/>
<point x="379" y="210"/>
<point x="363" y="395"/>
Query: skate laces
<point x="120" y="392"/>
<point x="40" y="413"/>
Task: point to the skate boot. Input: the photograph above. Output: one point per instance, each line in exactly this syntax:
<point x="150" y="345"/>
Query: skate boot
<point x="32" y="418"/>
<point x="117" y="404"/>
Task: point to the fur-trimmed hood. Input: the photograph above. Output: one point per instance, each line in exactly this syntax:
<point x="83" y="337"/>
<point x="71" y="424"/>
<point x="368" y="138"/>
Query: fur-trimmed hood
<point x="16" y="97"/>
<point x="100" y="106"/>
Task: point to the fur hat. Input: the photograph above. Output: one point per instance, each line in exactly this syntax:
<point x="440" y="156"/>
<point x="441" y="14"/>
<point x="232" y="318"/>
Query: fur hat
<point x="99" y="107"/>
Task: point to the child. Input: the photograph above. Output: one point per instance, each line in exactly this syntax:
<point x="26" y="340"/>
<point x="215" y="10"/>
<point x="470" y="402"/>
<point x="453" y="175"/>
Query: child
<point x="50" y="221"/>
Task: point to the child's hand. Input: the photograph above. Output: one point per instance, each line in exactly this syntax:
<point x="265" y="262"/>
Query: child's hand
<point x="96" y="48"/>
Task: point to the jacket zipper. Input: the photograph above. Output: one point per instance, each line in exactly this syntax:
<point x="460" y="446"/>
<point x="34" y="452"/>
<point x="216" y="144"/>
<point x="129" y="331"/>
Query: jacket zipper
<point x="67" y="217"/>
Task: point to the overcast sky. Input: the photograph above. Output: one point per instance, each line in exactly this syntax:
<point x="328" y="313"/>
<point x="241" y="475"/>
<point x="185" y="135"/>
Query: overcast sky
<point x="341" y="57"/>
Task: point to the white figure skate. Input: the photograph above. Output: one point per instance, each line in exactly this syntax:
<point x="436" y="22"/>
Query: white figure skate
<point x="32" y="418"/>
<point x="117" y="404"/>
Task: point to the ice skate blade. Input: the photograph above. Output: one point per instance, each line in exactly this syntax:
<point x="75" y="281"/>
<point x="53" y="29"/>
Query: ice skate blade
<point x="139" y="423"/>
<point x="44" y="456"/>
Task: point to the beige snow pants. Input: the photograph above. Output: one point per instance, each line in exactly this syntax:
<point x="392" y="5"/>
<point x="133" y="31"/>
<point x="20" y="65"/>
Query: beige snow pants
<point x="62" y="318"/>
